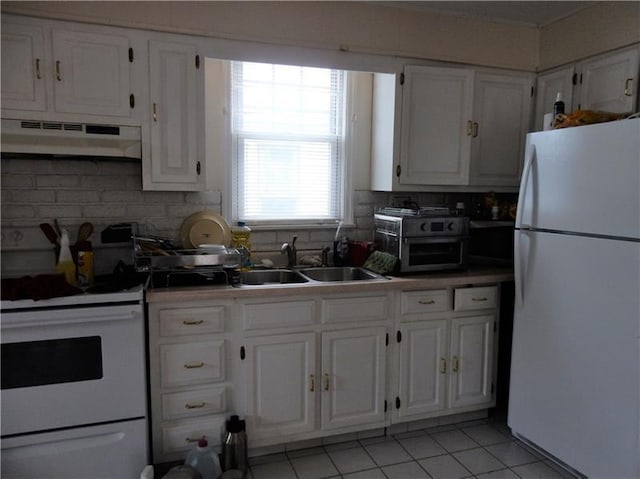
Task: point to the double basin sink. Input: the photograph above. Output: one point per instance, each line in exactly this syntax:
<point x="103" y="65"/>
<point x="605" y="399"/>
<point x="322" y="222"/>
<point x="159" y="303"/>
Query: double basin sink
<point x="307" y="275"/>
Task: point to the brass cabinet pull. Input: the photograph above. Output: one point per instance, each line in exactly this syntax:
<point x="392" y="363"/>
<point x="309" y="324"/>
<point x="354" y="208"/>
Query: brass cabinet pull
<point x="475" y="129"/>
<point x="38" y="76"/>
<point x="479" y="299"/>
<point x="326" y="382"/>
<point x="469" y="128"/>
<point x="456" y="364"/>
<point x="155" y="113"/>
<point x="426" y="301"/>
<point x="198" y="405"/>
<point x="628" y="91"/>
<point x="58" y="75"/>
<point x="443" y="365"/>
<point x="312" y="379"/>
<point x="192" y="322"/>
<point x="194" y="365"/>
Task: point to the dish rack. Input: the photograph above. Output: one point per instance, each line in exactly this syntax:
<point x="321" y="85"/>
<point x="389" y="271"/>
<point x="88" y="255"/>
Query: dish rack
<point x="159" y="257"/>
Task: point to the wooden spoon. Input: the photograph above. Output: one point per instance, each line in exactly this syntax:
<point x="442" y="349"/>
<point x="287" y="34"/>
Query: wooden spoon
<point x="85" y="231"/>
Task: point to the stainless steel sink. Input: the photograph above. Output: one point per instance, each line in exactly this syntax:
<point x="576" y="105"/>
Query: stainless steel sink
<point x="345" y="273"/>
<point x="271" y="276"/>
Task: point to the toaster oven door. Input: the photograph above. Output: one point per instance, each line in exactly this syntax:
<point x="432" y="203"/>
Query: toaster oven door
<point x="433" y="254"/>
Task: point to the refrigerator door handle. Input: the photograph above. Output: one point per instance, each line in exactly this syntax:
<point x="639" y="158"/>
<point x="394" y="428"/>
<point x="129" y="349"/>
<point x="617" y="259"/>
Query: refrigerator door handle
<point x="518" y="267"/>
<point x="530" y="159"/>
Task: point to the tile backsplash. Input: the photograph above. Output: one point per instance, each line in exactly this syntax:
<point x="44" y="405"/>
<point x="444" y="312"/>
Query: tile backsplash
<point x="107" y="192"/>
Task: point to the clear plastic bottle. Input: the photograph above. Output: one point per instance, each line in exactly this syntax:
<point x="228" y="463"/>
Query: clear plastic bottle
<point x="65" y="264"/>
<point x="204" y="460"/>
<point x="241" y="239"/>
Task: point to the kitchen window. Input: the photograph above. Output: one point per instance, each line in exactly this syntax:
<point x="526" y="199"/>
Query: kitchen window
<point x="288" y="131"/>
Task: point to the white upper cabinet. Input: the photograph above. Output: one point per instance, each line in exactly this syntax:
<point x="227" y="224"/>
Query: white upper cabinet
<point x="458" y="127"/>
<point x="65" y="71"/>
<point x="175" y="85"/>
<point x="610" y="82"/>
<point x="549" y="85"/>
<point x="23" y="67"/>
<point x="435" y="142"/>
<point x="91" y="73"/>
<point x="606" y="82"/>
<point x="501" y="112"/>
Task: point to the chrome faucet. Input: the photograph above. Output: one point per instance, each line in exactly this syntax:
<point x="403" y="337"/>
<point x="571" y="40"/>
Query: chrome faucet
<point x="325" y="256"/>
<point x="291" y="251"/>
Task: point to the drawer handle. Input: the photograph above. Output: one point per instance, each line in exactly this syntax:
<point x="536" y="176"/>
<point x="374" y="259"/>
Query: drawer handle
<point x="198" y="405"/>
<point x="326" y="382"/>
<point x="194" y="365"/>
<point x="456" y="364"/>
<point x="312" y="379"/>
<point x="190" y="439"/>
<point x="192" y="322"/>
<point x="479" y="299"/>
<point x="443" y="365"/>
<point x="427" y="301"/>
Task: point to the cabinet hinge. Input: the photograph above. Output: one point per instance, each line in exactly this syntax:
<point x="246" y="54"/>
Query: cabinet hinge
<point x="532" y="91"/>
<point x="398" y="337"/>
<point x="198" y="168"/>
<point x="132" y="100"/>
<point x="580" y="78"/>
<point x="397" y="402"/>
<point x="402" y="78"/>
<point x="574" y="79"/>
<point x="385" y="405"/>
<point x="386" y="339"/>
<point x="398" y="170"/>
<point x="242" y="353"/>
<point x="197" y="62"/>
<point x="130" y="55"/>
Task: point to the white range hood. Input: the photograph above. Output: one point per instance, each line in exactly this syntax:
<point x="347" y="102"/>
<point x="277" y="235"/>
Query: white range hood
<point x="70" y="139"/>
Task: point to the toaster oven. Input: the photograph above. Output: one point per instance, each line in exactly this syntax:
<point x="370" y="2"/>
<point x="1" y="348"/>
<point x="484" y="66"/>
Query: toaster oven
<point x="423" y="239"/>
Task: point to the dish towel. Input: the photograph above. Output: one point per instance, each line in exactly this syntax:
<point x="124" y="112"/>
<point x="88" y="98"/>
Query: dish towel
<point x="380" y="262"/>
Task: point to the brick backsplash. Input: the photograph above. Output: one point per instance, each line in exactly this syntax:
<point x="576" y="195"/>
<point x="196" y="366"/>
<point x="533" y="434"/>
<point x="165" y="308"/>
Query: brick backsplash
<point x="107" y="192"/>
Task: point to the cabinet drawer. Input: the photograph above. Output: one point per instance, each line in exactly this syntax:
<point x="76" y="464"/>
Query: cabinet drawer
<point x="183" y="437"/>
<point x="369" y="308"/>
<point x="278" y="315"/>
<point x="425" y="301"/>
<point x="191" y="363"/>
<point x="194" y="403"/>
<point x="177" y="322"/>
<point x="476" y="298"/>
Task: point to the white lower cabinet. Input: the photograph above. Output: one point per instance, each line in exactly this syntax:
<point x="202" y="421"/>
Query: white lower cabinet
<point x="189" y="374"/>
<point x="322" y="377"/>
<point x="446" y="354"/>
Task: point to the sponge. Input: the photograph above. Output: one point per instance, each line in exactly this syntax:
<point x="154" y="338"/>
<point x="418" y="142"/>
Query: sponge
<point x="380" y="262"/>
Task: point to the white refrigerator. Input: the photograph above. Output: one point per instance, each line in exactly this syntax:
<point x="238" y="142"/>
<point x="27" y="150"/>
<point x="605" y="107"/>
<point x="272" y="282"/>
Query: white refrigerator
<point x="575" y="367"/>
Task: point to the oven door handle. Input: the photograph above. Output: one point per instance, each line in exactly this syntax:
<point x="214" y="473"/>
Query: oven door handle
<point x="56" y="317"/>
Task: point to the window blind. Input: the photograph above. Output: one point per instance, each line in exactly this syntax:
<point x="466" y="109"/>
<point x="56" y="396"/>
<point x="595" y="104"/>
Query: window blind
<point x="288" y="134"/>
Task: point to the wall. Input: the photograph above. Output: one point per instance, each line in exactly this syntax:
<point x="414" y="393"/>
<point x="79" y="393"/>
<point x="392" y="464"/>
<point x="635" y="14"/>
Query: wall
<point x="597" y="29"/>
<point x="361" y="27"/>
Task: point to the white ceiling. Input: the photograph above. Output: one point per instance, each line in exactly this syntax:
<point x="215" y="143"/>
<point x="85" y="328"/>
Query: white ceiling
<point x="527" y="13"/>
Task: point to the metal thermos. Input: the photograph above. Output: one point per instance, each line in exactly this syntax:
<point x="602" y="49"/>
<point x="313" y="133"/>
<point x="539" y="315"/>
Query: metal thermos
<point x="234" y="446"/>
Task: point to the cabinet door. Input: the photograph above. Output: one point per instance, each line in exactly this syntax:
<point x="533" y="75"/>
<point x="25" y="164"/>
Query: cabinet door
<point x="353" y="372"/>
<point x="610" y="83"/>
<point x="423" y="367"/>
<point x="471" y="357"/>
<point x="549" y="85"/>
<point x="435" y="135"/>
<point x="502" y="109"/>
<point x="23" y="67"/>
<point x="91" y="73"/>
<point x="173" y="93"/>
<point x="281" y="385"/>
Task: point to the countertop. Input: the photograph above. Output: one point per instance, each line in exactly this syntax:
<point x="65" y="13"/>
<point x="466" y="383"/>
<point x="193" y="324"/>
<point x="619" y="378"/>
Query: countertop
<point x="409" y="282"/>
